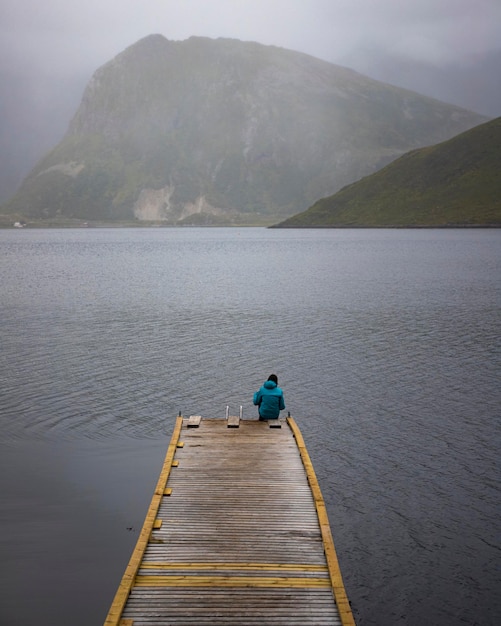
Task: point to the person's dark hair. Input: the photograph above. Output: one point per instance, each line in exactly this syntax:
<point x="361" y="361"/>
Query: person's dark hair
<point x="273" y="378"/>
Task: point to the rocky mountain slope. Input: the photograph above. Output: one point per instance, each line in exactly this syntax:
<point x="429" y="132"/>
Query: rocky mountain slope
<point x="454" y="183"/>
<point x="222" y="131"/>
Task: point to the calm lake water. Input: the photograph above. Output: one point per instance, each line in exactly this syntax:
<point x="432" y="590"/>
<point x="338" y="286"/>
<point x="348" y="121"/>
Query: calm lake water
<point x="387" y="346"/>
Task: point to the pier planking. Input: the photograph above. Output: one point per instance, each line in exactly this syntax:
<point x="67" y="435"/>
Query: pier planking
<point x="236" y="533"/>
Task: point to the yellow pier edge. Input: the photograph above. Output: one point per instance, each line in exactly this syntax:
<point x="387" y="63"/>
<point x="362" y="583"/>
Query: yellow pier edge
<point x="127" y="582"/>
<point x="342" y="601"/>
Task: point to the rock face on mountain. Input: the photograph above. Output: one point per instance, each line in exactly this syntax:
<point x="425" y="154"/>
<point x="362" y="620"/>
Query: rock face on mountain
<point x="222" y="131"/>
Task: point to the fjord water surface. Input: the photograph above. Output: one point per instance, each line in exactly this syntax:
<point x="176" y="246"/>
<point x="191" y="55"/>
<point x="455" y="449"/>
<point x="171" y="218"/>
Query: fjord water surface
<point x="387" y="346"/>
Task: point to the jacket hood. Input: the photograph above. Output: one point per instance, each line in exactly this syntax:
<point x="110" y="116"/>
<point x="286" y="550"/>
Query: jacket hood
<point x="270" y="384"/>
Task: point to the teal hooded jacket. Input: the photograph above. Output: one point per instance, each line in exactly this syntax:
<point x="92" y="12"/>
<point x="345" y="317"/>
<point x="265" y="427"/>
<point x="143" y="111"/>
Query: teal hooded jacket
<point x="270" y="400"/>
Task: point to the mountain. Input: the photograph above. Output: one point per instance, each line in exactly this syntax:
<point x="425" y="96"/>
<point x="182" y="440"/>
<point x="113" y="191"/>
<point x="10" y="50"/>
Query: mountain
<point x="470" y="86"/>
<point x="36" y="110"/>
<point x="454" y="183"/>
<point x="224" y="131"/>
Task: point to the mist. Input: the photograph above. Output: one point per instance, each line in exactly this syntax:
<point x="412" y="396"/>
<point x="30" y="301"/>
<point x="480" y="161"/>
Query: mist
<point x="48" y="52"/>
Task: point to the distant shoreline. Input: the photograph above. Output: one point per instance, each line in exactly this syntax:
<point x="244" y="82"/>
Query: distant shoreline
<point x="101" y="225"/>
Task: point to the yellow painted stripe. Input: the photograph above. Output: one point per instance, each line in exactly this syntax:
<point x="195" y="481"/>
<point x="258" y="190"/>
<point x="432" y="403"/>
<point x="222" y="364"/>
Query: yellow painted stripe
<point x="161" y="565"/>
<point x="342" y="602"/>
<point x="125" y="586"/>
<point x="231" y="581"/>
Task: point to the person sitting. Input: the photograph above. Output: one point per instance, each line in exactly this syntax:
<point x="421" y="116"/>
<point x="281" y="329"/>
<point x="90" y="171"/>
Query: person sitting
<point x="269" y="399"/>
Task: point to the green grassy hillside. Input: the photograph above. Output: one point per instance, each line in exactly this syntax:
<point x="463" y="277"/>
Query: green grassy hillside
<point x="454" y="183"/>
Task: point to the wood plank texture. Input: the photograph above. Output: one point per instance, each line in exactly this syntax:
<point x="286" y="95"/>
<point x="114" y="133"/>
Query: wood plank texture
<point x="244" y="538"/>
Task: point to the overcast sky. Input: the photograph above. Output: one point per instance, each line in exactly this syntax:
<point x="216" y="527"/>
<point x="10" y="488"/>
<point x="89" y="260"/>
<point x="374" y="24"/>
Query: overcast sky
<point x="62" y="36"/>
<point x="448" y="49"/>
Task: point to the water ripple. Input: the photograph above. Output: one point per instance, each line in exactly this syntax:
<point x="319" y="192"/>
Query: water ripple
<point x="387" y="345"/>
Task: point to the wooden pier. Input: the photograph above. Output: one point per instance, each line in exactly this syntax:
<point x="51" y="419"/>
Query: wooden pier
<point x="236" y="534"/>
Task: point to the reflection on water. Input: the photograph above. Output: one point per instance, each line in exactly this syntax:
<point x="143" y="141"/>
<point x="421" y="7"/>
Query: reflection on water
<point x="386" y="344"/>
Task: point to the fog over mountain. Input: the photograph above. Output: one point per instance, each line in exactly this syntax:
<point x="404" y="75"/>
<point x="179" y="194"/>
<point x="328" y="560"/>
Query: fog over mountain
<point x="48" y="52"/>
<point x="37" y="108"/>
<point x="222" y="131"/>
<point x="473" y="85"/>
